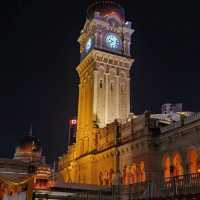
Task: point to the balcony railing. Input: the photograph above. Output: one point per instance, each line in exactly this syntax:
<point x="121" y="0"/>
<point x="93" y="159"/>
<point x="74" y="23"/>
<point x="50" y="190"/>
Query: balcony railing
<point x="171" y="187"/>
<point x="192" y="118"/>
<point x="170" y="127"/>
<point x="187" y="120"/>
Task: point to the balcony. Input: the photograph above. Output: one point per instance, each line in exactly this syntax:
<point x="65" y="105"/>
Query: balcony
<point x="187" y="186"/>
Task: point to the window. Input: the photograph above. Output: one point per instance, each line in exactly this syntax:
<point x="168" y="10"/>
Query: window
<point x="101" y="84"/>
<point x="192" y="157"/>
<point x="111" y="86"/>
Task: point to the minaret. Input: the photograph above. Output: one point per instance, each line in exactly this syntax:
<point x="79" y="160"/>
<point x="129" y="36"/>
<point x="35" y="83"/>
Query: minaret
<point x="104" y="89"/>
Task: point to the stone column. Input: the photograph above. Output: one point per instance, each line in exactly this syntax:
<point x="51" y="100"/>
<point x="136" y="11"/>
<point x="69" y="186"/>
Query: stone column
<point x="83" y="105"/>
<point x="183" y="154"/>
<point x="106" y="98"/>
<point x="117" y="174"/>
<point x="117" y="96"/>
<point x="128" y="97"/>
<point x="95" y="93"/>
<point x="79" y="108"/>
<point x="128" y="44"/>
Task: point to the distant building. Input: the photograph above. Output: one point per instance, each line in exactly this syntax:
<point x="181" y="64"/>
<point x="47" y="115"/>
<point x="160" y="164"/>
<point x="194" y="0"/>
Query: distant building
<point x="27" y="177"/>
<point x="168" y="108"/>
<point x="171" y="113"/>
<point x="27" y="167"/>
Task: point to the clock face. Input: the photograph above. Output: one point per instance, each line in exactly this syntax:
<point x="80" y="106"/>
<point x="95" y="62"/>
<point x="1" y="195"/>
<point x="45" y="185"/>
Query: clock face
<point x="112" y="41"/>
<point x="88" y="44"/>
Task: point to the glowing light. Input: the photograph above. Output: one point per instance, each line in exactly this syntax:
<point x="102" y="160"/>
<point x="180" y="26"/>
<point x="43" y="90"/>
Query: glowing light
<point x="88" y="44"/>
<point x="112" y="41"/>
<point x="73" y="121"/>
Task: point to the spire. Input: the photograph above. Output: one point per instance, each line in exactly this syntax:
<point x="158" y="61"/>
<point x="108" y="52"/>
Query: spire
<point x="31" y="130"/>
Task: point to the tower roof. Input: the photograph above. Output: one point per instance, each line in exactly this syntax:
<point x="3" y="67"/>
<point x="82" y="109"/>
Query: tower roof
<point x="29" y="142"/>
<point x="28" y="149"/>
<point x="106" y="8"/>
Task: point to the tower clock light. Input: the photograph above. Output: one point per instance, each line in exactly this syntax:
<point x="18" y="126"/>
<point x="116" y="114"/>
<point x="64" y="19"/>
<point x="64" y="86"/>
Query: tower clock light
<point x="88" y="44"/>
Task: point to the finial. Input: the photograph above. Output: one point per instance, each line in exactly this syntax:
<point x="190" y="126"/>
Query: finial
<point x="31" y="130"/>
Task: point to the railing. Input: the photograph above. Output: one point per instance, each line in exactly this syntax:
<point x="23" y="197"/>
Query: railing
<point x="170" y="127"/>
<point x="192" y="118"/>
<point x="171" y="188"/>
<point x="178" y="124"/>
<point x="176" y="186"/>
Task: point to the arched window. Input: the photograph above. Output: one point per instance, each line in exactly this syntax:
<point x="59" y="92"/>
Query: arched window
<point x="111" y="173"/>
<point x="192" y="157"/>
<point x="101" y="84"/>
<point x="166" y="166"/>
<point x="126" y="175"/>
<point x="177" y="164"/>
<point x="142" y="172"/>
<point x="100" y="178"/>
<point x="133" y="173"/>
<point x="122" y="88"/>
<point x="106" y="177"/>
<point x="111" y="86"/>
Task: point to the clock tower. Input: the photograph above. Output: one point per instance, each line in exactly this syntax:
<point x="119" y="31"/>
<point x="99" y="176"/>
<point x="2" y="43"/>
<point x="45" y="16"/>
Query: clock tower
<point x="104" y="93"/>
<point x="104" y="89"/>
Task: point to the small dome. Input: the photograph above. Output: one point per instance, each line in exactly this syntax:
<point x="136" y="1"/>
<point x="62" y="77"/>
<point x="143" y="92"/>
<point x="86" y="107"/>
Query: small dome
<point x="29" y="144"/>
<point x="106" y="8"/>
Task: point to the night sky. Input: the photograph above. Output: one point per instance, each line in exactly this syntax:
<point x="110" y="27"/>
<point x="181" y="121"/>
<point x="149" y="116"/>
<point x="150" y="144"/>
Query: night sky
<point x="39" y="54"/>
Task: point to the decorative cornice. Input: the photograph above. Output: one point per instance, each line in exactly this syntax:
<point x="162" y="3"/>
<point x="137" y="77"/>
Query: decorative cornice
<point x="104" y="58"/>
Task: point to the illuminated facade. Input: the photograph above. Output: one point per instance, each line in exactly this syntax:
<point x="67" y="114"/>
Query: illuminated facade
<point x="72" y="132"/>
<point x="113" y="145"/>
<point x="26" y="170"/>
<point x="104" y="89"/>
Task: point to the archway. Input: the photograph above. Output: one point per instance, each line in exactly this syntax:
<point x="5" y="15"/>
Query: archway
<point x="166" y="166"/>
<point x="177" y="164"/>
<point x="106" y="178"/>
<point x="126" y="175"/>
<point x="192" y="157"/>
<point x="142" y="172"/>
<point x="133" y="173"/>
<point x="100" y="178"/>
<point x="111" y="173"/>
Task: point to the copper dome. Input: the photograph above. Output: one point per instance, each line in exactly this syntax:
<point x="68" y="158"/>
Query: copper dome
<point x="29" y="143"/>
<point x="106" y="8"/>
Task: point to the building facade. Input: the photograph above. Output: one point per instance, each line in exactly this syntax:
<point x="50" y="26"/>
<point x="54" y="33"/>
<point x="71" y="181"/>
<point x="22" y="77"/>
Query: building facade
<point x="72" y="132"/>
<point x="27" y="171"/>
<point x="113" y="145"/>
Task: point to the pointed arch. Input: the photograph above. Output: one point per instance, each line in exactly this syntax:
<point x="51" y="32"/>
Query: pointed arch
<point x="166" y="166"/>
<point x="192" y="158"/>
<point x="133" y="173"/>
<point x="125" y="175"/>
<point x="111" y="174"/>
<point x="100" y="178"/>
<point x="106" y="177"/>
<point x="177" y="164"/>
<point x="142" y="172"/>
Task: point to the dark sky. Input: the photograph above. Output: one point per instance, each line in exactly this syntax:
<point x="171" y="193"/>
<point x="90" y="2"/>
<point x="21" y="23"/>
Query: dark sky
<point x="39" y="54"/>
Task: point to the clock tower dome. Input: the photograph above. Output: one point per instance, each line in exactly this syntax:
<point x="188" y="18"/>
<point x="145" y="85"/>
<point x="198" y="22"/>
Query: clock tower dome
<point x="104" y="89"/>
